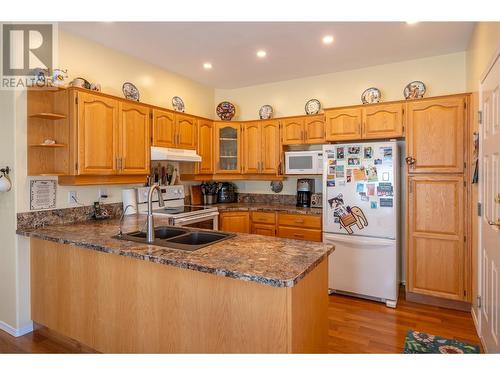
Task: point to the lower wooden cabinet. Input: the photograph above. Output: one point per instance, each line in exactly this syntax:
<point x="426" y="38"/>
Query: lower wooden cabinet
<point x="264" y="229"/>
<point x="234" y="222"/>
<point x="299" y="233"/>
<point x="436" y="241"/>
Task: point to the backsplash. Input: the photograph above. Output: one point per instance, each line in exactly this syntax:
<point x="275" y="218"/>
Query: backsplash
<point x="267" y="198"/>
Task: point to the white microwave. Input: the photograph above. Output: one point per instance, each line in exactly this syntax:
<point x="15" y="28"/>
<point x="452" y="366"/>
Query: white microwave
<point x="304" y="162"/>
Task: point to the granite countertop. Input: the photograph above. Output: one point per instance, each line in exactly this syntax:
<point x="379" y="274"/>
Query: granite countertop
<point x="265" y="260"/>
<point x="285" y="208"/>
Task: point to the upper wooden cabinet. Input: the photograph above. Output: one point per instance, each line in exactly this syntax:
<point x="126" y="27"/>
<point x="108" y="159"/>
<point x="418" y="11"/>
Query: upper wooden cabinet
<point x="436" y="248"/>
<point x="174" y="130"/>
<point x="343" y="124"/>
<point x="314" y="129"/>
<point x="186" y="131"/>
<point x="261" y="147"/>
<point x="206" y="146"/>
<point x="98" y="135"/>
<point x="134" y="139"/>
<point x="303" y="130"/>
<point x="435" y="135"/>
<point x="383" y="121"/>
<point x="163" y="128"/>
<point x="227" y="147"/>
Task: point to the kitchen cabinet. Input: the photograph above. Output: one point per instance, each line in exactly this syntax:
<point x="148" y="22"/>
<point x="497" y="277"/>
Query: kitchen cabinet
<point x="264" y="229"/>
<point x="264" y="223"/>
<point x="134" y="139"/>
<point x="98" y="134"/>
<point x="303" y="130"/>
<point x="383" y="121"/>
<point x="302" y="227"/>
<point x="435" y="135"/>
<point x="227" y="147"/>
<point x="234" y="222"/>
<point x="261" y="147"/>
<point x="163" y="128"/>
<point x="206" y="146"/>
<point x="186" y="131"/>
<point x="343" y="124"/>
<point x="435" y="237"/>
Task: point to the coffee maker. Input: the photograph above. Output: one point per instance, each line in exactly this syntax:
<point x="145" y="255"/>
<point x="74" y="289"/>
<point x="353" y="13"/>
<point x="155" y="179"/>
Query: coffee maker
<point x="305" y="188"/>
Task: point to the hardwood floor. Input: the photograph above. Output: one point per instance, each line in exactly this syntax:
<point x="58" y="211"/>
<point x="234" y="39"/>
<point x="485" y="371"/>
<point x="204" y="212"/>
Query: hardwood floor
<point x="355" y="326"/>
<point x="362" y="326"/>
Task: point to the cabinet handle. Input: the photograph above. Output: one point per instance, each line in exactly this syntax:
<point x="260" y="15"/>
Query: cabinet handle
<point x="302" y="135"/>
<point x="298" y="235"/>
<point x="299" y="221"/>
<point x="121" y="163"/>
<point x="306" y="136"/>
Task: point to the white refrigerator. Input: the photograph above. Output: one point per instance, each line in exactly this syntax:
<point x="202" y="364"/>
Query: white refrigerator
<point x="361" y="218"/>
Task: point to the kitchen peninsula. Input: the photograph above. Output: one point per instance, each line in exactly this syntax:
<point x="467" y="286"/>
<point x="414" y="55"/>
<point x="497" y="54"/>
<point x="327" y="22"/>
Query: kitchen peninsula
<point x="247" y="294"/>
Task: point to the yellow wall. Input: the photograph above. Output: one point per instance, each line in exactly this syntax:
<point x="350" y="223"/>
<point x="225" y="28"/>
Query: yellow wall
<point x="442" y="75"/>
<point x="485" y="42"/>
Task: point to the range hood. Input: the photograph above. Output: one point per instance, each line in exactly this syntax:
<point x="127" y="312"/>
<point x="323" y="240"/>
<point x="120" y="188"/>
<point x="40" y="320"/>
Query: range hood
<point x="174" y="154"/>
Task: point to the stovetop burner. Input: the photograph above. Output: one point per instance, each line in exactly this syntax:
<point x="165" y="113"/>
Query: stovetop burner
<point x="181" y="210"/>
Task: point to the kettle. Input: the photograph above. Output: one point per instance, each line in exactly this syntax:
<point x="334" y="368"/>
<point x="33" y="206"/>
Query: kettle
<point x="227" y="193"/>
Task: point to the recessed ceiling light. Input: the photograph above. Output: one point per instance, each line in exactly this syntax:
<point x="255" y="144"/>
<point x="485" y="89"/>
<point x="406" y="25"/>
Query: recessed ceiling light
<point x="411" y="22"/>
<point x="207" y="65"/>
<point x="261" y="53"/>
<point x="327" y="39"/>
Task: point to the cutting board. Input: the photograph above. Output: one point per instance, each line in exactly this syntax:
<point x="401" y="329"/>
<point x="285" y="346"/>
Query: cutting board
<point x="196" y="196"/>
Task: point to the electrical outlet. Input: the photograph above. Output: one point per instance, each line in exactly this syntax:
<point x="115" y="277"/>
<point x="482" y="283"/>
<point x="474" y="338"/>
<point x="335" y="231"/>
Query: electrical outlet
<point x="103" y="194"/>
<point x="72" y="197"/>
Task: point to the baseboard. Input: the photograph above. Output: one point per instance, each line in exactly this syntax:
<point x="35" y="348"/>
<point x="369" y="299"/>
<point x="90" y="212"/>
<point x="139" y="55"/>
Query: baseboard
<point x="437" y="301"/>
<point x="16" y="332"/>
<point x="478" y="331"/>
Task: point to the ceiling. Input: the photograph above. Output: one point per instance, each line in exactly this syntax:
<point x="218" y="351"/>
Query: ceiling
<point x="294" y="49"/>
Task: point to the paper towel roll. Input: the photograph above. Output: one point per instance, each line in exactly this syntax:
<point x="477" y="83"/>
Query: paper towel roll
<point x="129" y="197"/>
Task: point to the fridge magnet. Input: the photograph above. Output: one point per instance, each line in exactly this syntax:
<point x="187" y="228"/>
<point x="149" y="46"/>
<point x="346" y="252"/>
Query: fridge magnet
<point x="332" y="162"/>
<point x="370" y="189"/>
<point x="339" y="171"/>
<point x="364" y="197"/>
<point x="368" y="152"/>
<point x="371" y="174"/>
<point x="330" y="154"/>
<point x="385" y="176"/>
<point x="330" y="177"/>
<point x="378" y="161"/>
<point x="331" y="169"/>
<point x="385" y="202"/>
<point x="373" y="204"/>
<point x="348" y="216"/>
<point x="387" y="152"/>
<point x="330" y="183"/>
<point x="384" y="189"/>
<point x="340" y="153"/>
<point x="353" y="150"/>
<point x="353" y="161"/>
<point x="359" y="175"/>
<point x="360" y="187"/>
<point x="336" y="220"/>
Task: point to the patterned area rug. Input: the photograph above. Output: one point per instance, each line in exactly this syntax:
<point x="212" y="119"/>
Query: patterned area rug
<point x="423" y="343"/>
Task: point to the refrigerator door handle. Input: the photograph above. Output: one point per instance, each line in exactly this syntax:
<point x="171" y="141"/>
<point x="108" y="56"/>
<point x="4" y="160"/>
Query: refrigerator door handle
<point x="374" y="242"/>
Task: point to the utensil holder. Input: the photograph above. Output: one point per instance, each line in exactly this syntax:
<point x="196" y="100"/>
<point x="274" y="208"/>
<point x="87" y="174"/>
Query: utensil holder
<point x="210" y="199"/>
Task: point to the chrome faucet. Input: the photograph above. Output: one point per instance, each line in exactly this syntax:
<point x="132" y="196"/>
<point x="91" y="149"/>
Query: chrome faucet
<point x="123" y="217"/>
<point x="150" y="225"/>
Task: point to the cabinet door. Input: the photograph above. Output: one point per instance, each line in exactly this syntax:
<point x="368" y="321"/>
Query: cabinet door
<point x="436" y="236"/>
<point x="293" y="131"/>
<point x="235" y="222"/>
<point x="435" y="135"/>
<point x="264" y="229"/>
<point x="227" y="147"/>
<point x="97" y="134"/>
<point x="314" y="129"/>
<point x="251" y="147"/>
<point x="206" y="146"/>
<point x="343" y="124"/>
<point x="163" y="128"/>
<point x="134" y="144"/>
<point x="186" y="131"/>
<point x="383" y="121"/>
<point x="270" y="159"/>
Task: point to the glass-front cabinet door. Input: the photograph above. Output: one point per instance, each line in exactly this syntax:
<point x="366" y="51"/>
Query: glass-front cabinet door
<point x="227" y="147"/>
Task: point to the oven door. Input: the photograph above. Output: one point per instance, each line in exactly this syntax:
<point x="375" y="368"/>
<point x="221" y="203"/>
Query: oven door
<point x="204" y="221"/>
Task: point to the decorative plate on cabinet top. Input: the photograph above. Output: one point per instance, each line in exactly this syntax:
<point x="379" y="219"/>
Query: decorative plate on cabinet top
<point x="225" y="111"/>
<point x="130" y="91"/>
<point x="313" y="107"/>
<point x="178" y="104"/>
<point x="414" y="90"/>
<point x="276" y="186"/>
<point x="371" y="95"/>
<point x="266" y="112"/>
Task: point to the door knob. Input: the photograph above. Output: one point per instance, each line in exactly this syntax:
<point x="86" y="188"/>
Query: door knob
<point x="410" y="160"/>
<point x="497" y="224"/>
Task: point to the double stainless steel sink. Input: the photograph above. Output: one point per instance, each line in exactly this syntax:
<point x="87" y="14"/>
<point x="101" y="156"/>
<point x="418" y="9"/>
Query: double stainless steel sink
<point x="178" y="238"/>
